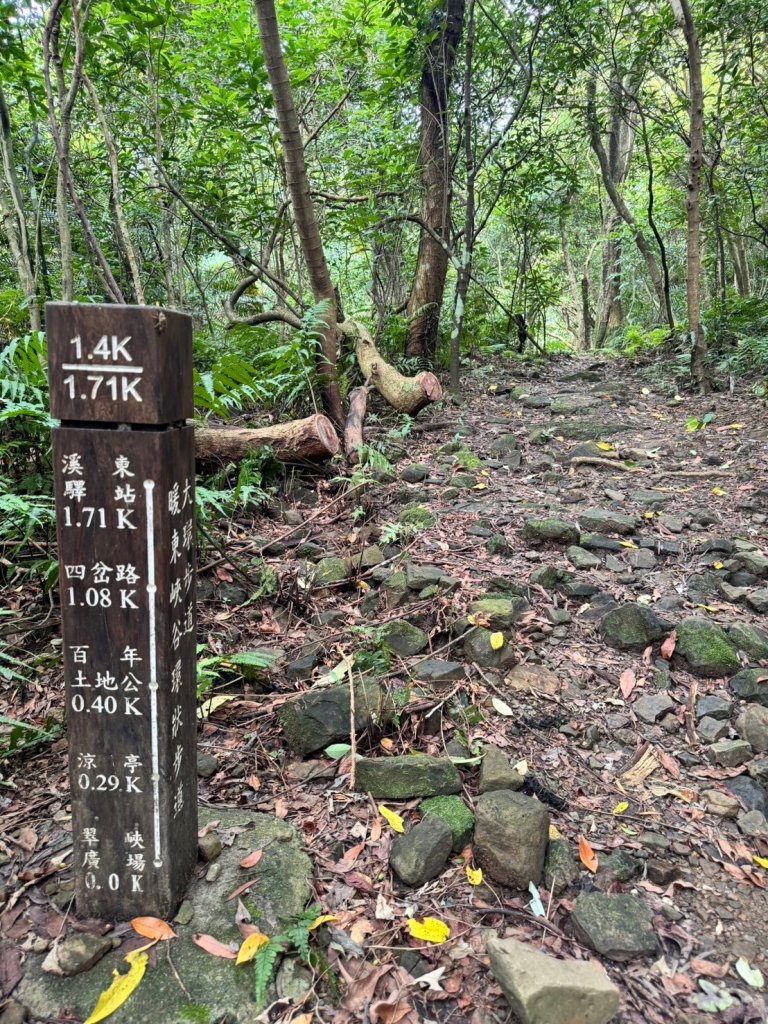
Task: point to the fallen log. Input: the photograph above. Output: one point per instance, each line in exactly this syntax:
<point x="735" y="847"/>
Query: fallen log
<point x="353" y="429"/>
<point x="406" y="394"/>
<point x="298" y="440"/>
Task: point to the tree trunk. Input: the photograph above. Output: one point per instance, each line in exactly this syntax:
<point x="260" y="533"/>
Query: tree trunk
<point x="684" y="18"/>
<point x="426" y="297"/>
<point x="312" y="438"/>
<point x="303" y="208"/>
<point x="406" y="394"/>
<point x="740" y="265"/>
<point x="353" y="429"/>
<point x="15" y="223"/>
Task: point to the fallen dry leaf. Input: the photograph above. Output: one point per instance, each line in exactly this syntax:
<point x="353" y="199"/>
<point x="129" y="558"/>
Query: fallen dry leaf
<point x="587" y="855"/>
<point x="627" y="683"/>
<point x="252" y="859"/>
<point x="214" y="947"/>
<point x="668" y="647"/>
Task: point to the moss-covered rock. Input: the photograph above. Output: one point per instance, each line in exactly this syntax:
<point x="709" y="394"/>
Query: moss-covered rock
<point x="541" y="531"/>
<point x="478" y="648"/>
<point x="402" y="778"/>
<point x="403" y="638"/>
<point x="455" y="814"/>
<point x="322" y="717"/>
<point x="498" y="544"/>
<point x="751" y="684"/>
<point x="330" y="570"/>
<point x="754" y="642"/>
<point x="501" y="612"/>
<point x="418" y="517"/>
<point x="560" y="868"/>
<point x="706" y="648"/>
<point x="631" y="626"/>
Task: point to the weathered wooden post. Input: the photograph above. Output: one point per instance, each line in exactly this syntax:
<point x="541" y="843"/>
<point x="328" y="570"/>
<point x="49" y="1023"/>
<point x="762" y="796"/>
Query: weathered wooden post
<point x="124" y="472"/>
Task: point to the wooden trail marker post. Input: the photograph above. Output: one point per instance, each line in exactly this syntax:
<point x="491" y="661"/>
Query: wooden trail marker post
<point x="124" y="472"/>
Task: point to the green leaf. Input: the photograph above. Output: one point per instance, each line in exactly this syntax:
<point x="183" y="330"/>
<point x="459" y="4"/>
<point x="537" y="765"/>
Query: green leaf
<point x="338" y="750"/>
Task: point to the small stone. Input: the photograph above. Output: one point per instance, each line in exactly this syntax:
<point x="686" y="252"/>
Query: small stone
<point x="567" y="405"/>
<point x="752" y="795"/>
<point x="730" y="753"/>
<point x="478" y="649"/>
<point x="322" y="716"/>
<point x="544" y="990"/>
<point x="597" y="542"/>
<point x="672" y="523"/>
<point x="501" y="612"/>
<point x="582" y="559"/>
<point x="751" y="823"/>
<point x="557" y="616"/>
<point x="597" y="520"/>
<point x="758" y="770"/>
<point x="185" y="913"/>
<point x="710" y="730"/>
<point x="541" y="531"/>
<point x="653" y="707"/>
<point x="706" y="648"/>
<point x="330" y="570"/>
<point x="209" y="846"/>
<point x="753" y="561"/>
<point x="421" y="853"/>
<point x="434" y="670"/>
<point x="370" y="557"/>
<point x="504" y="444"/>
<point x="496" y="772"/>
<point x="404" y="638"/>
<point x="632" y="626"/>
<point x="752" y="726"/>
<point x="619" y="866"/>
<point x="415" y="473"/>
<point x="713" y="707"/>
<point x="498" y="544"/>
<point x="419" y="576"/>
<point x="418" y="517"/>
<point x="758" y="600"/>
<point x="754" y="642"/>
<point x="13" y="1013"/>
<point x="560" y="867"/>
<point x="641" y="558"/>
<point x="617" y="926"/>
<point x="661" y="872"/>
<point x="511" y="834"/>
<point x="302" y="668"/>
<point x="527" y="678"/>
<point x="408" y="776"/>
<point x="213" y="872"/>
<point x="76" y="954"/>
<point x="207" y="765"/>
<point x="751" y="684"/>
<point x="721" y="804"/>
<point x="456" y="815"/>
<point x="651" y="498"/>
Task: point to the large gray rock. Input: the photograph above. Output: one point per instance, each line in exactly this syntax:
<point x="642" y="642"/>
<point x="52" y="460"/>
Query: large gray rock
<point x="706" y="648"/>
<point x="543" y="990"/>
<point x="216" y="986"/>
<point x="600" y="520"/>
<point x="421" y="853"/>
<point x="322" y="716"/>
<point x="752" y="726"/>
<point x="632" y="626"/>
<point x="330" y="570"/>
<point x="618" y="926"/>
<point x="434" y="670"/>
<point x="419" y="576"/>
<point x="581" y="559"/>
<point x="511" y="835"/>
<point x="404" y="638"/>
<point x="567" y="405"/>
<point x="402" y="778"/>
<point x="541" y="531"/>
<point x="654" y="706"/>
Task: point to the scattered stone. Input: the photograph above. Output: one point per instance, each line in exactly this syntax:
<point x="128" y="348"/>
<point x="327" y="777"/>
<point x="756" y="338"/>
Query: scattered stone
<point x="498" y="545"/>
<point x="504" y="444"/>
<point x="465" y="480"/>
<point x="672" y="523"/>
<point x="582" y="559"/>
<point x="547" y="577"/>
<point x="415" y="473"/>
<point x="209" y="847"/>
<point x="617" y="926"/>
<point x="541" y="531"/>
<point x="641" y="558"/>
<point x="403" y="638"/>
<point x="13" y="1013"/>
<point x="544" y="990"/>
<point x="185" y="913"/>
<point x="302" y="668"/>
<point x="456" y="815"/>
<point x="632" y="626"/>
<point x="418" y="517"/>
<point x="754" y="642"/>
<point x="758" y="770"/>
<point x="573" y="588"/>
<point x="330" y="570"/>
<point x="618" y="866"/>
<point x="654" y="499"/>
<point x="751" y="823"/>
<point x="754" y="562"/>
<point x="704" y="516"/>
<point x="535" y="401"/>
<point x="710" y="730"/>
<point x="751" y="684"/>
<point x="706" y="648"/>
<point x="589" y="430"/>
<point x="419" y="576"/>
<point x="477" y="648"/>
<point x="408" y="776"/>
<point x="653" y="707"/>
<point x="752" y="726"/>
<point x="421" y="853"/>
<point x="720" y="804"/>
<point x="293" y="981"/>
<point x="605" y="521"/>
<point x="207" y="765"/>
<point x="318" y="718"/>
<point x="661" y="872"/>
<point x="308" y="549"/>
<point x="511" y="834"/>
<point x="434" y="670"/>
<point x="730" y="753"/>
<point x="496" y="772"/>
<point x="560" y="867"/>
<point x="567" y="405"/>
<point x="597" y="542"/>
<point x="713" y="707"/>
<point x="534" y="677"/>
<point x="758" y="600"/>
<point x="752" y="795"/>
<point x="370" y="557"/>
<point x="76" y="954"/>
<point x="501" y="612"/>
<point x="557" y="616"/>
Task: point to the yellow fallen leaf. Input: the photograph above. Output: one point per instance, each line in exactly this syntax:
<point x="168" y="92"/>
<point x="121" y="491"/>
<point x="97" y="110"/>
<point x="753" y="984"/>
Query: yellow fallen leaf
<point x="761" y="862"/>
<point x="322" y="919"/>
<point x="474" y="875"/>
<point x="362" y="586"/>
<point x="121" y="988"/>
<point x="497" y="641"/>
<point x="731" y="426"/>
<point x="479" y="487"/>
<point x="521" y="767"/>
<point x="605" y="446"/>
<point x="492" y="387"/>
<point x="627" y="544"/>
<point x="392" y="819"/>
<point x="471" y="620"/>
<point x="648" y="515"/>
<point x="718" y="565"/>
<point x="718" y="492"/>
<point x="250" y="947"/>
<point x="554" y="833"/>
<point x="620" y="808"/>
<point x="429" y="930"/>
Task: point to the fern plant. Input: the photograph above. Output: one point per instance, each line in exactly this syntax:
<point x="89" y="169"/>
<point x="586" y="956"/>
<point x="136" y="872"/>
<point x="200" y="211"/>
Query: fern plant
<point x="296" y="938"/>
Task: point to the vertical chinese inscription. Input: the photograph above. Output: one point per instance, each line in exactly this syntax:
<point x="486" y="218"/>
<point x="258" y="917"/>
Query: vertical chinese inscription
<point x="125" y="510"/>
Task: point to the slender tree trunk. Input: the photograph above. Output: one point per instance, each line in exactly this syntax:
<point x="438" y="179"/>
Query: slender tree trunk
<point x="301" y="200"/>
<point x="14" y="219"/>
<point x="426" y="297"/>
<point x="740" y="265"/>
<point x="684" y="18"/>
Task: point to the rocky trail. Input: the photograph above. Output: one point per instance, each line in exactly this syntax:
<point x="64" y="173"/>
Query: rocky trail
<point x="546" y="616"/>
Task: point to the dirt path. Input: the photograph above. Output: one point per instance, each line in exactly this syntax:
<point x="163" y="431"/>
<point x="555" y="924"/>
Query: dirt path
<point x="630" y="738"/>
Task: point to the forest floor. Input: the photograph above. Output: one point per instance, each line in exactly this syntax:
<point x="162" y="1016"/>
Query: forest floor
<point x="611" y="734"/>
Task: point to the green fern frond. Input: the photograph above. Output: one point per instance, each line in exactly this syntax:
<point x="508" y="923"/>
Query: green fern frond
<point x="264" y="966"/>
